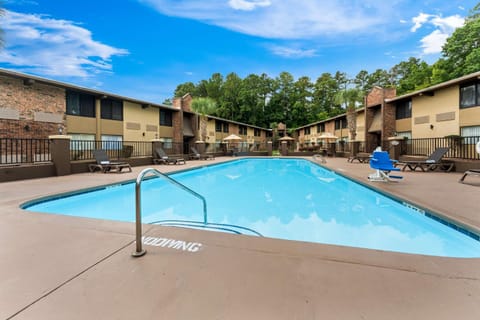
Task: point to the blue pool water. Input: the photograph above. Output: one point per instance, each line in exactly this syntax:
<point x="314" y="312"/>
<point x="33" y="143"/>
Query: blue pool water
<point x="281" y="198"/>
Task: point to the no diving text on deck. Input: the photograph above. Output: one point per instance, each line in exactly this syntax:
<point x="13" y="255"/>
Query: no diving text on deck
<point x="172" y="244"/>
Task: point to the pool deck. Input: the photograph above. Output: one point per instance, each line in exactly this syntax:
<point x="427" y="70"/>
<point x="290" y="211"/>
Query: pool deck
<point x="60" y="267"/>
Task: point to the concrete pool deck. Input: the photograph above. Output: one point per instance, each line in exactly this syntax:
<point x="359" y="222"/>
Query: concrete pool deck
<point x="60" y="267"/>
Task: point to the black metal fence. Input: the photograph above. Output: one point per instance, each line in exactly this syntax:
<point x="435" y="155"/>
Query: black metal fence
<point x="23" y="151"/>
<point x="82" y="149"/>
<point x="459" y="147"/>
<point x="18" y="151"/>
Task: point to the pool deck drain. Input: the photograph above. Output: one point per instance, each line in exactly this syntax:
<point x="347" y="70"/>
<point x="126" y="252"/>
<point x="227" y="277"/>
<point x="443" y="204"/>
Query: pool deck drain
<point x="60" y="267"/>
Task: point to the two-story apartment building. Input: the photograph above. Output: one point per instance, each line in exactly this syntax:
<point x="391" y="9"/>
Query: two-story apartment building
<point x="35" y="107"/>
<point x="451" y="108"/>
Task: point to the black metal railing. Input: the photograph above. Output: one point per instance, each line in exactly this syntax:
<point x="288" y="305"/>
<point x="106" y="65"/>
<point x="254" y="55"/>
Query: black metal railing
<point x="19" y="151"/>
<point x="459" y="147"/>
<point x="82" y="149"/>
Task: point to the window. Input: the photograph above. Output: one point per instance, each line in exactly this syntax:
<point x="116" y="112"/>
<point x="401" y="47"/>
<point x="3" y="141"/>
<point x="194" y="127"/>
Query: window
<point x="403" y="109"/>
<point x="257" y="132"/>
<point x="469" y="95"/>
<point x="81" y="141"/>
<point x="218" y="126"/>
<point x="167" y="143"/>
<point x="242" y="130"/>
<point x="111" y="109"/>
<point x="111" y="142"/>
<point x="306" y="131"/>
<point x="80" y="104"/>
<point x="340" y="123"/>
<point x="473" y="131"/>
<point x="82" y="136"/>
<point x="320" y="127"/>
<point x="470" y="135"/>
<point x="225" y="127"/>
<point x="166" y="118"/>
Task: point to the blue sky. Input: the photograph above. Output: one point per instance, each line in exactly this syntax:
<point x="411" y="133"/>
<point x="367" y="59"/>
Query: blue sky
<point x="145" y="48"/>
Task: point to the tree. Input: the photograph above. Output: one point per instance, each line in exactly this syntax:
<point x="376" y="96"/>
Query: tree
<point x="411" y="75"/>
<point x="167" y="102"/>
<point x="380" y="78"/>
<point x="184" y="88"/>
<point x="361" y="81"/>
<point x="229" y="101"/>
<point x="280" y="103"/>
<point x="203" y="106"/>
<point x="352" y="98"/>
<point x="325" y="90"/>
<point x="214" y="86"/>
<point x="301" y="109"/>
<point x="253" y="96"/>
<point x="461" y="52"/>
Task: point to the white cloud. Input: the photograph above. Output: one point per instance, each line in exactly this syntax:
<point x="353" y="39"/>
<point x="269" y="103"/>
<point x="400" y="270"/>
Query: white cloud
<point x="283" y="19"/>
<point x="419" y="21"/>
<point x="48" y="46"/>
<point x="295" y="53"/>
<point x="433" y="43"/>
<point x="247" y="5"/>
<point x="448" y="24"/>
<point x="444" y="27"/>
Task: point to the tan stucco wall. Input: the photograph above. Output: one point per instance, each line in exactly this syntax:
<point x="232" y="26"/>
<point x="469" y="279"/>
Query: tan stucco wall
<point x="470" y="117"/>
<point x="136" y="121"/>
<point x="112" y="127"/>
<point x="310" y="137"/>
<point x="342" y="133"/>
<point x="232" y="129"/>
<point x="85" y="125"/>
<point x="444" y="101"/>
<point x="403" y="125"/>
<point x="165" y="132"/>
<point x="211" y="131"/>
<point x="360" y="126"/>
<point x="250" y="135"/>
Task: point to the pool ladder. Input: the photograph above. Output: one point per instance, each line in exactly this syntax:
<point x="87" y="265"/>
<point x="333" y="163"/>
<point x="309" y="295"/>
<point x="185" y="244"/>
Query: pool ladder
<point x="139" y="251"/>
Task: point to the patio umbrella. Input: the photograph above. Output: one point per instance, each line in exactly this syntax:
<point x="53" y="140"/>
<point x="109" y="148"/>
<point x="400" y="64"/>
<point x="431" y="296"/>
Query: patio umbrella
<point x="328" y="136"/>
<point x="286" y="138"/>
<point x="232" y="137"/>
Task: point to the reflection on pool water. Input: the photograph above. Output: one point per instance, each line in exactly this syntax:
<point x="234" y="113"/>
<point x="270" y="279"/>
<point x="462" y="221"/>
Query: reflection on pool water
<point x="291" y="199"/>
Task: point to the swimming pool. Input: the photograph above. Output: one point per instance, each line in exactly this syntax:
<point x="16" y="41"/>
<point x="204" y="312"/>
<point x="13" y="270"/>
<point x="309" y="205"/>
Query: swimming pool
<point x="292" y="199"/>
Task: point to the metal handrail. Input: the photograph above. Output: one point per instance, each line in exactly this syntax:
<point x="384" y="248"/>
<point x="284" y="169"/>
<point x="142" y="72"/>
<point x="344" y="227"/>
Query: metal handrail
<point x="138" y="210"/>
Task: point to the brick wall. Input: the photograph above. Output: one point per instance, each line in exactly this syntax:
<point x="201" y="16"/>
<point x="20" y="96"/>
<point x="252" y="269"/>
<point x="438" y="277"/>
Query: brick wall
<point x="388" y="121"/>
<point x="30" y="101"/>
<point x="27" y="129"/>
<point x="375" y="101"/>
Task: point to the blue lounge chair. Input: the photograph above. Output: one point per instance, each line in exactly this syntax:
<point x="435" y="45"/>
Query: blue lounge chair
<point x="383" y="165"/>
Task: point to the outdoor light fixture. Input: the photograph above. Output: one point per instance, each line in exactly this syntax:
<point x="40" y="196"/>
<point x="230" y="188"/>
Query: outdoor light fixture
<point x="431" y="127"/>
